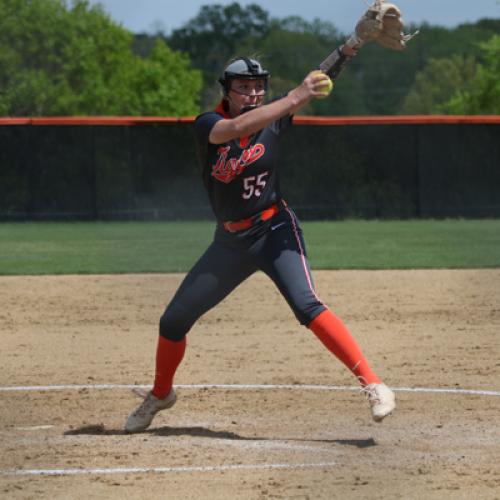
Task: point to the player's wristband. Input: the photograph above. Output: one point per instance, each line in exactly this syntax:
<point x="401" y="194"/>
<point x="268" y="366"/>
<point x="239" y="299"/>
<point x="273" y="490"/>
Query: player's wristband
<point x="334" y="63"/>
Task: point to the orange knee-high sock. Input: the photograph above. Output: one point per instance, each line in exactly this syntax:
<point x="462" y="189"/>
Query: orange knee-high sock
<point x="336" y="338"/>
<point x="168" y="357"/>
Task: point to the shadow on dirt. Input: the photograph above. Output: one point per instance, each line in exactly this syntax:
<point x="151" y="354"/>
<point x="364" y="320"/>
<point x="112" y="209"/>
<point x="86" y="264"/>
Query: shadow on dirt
<point x="100" y="430"/>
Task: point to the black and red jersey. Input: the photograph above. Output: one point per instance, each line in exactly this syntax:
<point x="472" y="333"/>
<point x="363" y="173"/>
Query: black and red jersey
<point x="241" y="176"/>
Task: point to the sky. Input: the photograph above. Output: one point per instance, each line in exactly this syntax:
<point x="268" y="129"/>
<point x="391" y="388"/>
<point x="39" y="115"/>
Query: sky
<point x="166" y="15"/>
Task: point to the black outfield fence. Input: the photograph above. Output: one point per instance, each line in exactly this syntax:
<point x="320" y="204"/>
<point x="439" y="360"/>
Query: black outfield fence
<point x="140" y="168"/>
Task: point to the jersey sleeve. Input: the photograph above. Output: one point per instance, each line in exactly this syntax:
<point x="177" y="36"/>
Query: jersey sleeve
<point x="203" y="125"/>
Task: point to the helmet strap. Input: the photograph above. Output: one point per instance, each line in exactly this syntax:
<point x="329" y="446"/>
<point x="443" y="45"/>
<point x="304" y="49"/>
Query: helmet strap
<point x="252" y="67"/>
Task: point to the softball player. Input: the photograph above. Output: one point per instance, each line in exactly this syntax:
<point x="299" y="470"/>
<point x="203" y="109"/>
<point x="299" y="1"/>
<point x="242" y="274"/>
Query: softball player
<point x="256" y="230"/>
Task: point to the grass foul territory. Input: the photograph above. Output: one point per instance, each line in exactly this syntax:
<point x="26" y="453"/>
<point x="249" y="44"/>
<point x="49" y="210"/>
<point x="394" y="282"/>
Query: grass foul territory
<point x="138" y="247"/>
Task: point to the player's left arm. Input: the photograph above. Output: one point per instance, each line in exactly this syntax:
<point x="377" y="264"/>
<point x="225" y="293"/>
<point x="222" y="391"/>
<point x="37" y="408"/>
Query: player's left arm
<point x="335" y="63"/>
<point x="381" y="23"/>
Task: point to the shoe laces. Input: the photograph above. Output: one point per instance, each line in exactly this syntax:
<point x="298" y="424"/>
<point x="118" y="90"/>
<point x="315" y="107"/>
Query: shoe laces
<point x="146" y="406"/>
<point x="371" y="393"/>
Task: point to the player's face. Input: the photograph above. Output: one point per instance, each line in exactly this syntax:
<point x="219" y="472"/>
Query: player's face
<point x="246" y="93"/>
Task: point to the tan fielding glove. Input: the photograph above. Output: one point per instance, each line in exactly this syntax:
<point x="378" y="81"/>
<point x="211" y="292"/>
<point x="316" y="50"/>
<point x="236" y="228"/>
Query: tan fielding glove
<point x="381" y="23"/>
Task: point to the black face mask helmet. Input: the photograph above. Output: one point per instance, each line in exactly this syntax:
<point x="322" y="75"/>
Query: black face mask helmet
<point x="243" y="68"/>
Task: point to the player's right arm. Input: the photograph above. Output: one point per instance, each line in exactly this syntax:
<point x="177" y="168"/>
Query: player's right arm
<point x="256" y="119"/>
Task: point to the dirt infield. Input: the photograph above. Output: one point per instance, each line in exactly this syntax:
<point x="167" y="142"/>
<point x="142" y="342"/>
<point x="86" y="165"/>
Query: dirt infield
<point x="419" y="329"/>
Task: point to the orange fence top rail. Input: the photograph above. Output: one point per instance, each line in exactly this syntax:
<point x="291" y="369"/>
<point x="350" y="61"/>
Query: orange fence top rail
<point x="395" y="120"/>
<point x="95" y="120"/>
<point x="298" y="120"/>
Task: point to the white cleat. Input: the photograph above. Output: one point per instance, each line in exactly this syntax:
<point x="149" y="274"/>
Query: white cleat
<point x="382" y="400"/>
<point x="141" y="418"/>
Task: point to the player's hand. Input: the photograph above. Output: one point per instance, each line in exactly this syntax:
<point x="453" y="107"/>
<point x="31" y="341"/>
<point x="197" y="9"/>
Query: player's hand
<point x="312" y="86"/>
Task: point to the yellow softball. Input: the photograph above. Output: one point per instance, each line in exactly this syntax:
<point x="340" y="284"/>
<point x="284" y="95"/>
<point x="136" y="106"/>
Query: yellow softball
<point x="325" y="87"/>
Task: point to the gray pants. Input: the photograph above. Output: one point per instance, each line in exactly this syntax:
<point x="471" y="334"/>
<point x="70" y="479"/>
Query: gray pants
<point x="275" y="247"/>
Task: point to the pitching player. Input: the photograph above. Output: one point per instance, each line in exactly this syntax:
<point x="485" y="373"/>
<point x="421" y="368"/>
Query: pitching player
<point x="256" y="230"/>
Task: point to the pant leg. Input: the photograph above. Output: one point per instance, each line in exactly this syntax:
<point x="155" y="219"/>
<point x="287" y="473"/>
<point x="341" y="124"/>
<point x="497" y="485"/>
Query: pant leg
<point x="282" y="256"/>
<point x="218" y="271"/>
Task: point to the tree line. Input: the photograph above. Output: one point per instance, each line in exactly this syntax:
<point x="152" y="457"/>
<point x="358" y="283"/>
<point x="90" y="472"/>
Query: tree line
<point x="66" y="57"/>
<point x="60" y="58"/>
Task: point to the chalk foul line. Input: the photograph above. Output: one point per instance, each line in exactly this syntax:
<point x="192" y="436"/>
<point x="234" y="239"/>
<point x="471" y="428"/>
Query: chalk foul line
<point x="241" y="387"/>
<point x="208" y="468"/>
<point x="138" y="470"/>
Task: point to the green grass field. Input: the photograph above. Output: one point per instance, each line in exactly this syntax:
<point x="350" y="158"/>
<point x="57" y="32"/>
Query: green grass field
<point x="137" y="247"/>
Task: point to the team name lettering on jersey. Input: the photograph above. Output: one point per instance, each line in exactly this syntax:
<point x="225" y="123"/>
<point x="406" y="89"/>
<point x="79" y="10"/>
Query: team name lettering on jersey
<point x="226" y="170"/>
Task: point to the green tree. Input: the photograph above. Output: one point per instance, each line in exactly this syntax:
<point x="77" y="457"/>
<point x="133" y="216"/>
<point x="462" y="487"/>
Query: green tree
<point x="291" y="49"/>
<point x="164" y="81"/>
<point x="483" y="95"/>
<point x="60" y="58"/>
<point x="440" y="79"/>
<point x="212" y="37"/>
<point x="376" y="82"/>
<point x="324" y="30"/>
<point x="387" y="76"/>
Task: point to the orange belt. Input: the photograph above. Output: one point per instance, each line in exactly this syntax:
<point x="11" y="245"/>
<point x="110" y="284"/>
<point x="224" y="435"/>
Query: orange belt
<point x="240" y="225"/>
